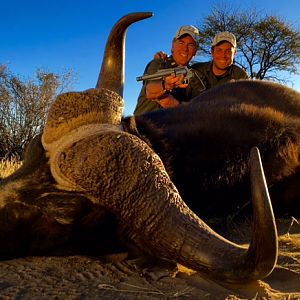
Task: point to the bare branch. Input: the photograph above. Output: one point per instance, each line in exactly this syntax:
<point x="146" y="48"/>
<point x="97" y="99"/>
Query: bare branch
<point x="268" y="46"/>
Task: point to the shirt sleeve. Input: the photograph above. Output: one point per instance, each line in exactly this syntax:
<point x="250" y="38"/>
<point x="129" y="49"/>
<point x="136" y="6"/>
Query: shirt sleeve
<point x="153" y="66"/>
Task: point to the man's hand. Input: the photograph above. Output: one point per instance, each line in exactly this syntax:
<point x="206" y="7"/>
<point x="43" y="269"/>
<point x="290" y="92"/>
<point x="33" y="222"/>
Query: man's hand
<point x="173" y="81"/>
<point x="157" y="88"/>
<point x="160" y="55"/>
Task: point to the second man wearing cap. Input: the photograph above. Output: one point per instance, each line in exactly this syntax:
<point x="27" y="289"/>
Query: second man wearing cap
<point x="221" y="68"/>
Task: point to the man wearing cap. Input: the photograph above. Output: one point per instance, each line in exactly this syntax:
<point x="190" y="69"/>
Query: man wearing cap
<point x="170" y="91"/>
<point x="222" y="68"/>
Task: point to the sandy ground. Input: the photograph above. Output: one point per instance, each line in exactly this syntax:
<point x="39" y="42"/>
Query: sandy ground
<point x="84" y="277"/>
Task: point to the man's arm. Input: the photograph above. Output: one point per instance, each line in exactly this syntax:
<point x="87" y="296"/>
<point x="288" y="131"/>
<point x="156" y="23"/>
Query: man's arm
<point x="143" y="104"/>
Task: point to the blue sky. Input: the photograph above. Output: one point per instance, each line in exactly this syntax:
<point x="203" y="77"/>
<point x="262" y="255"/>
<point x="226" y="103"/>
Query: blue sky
<point x="58" y="35"/>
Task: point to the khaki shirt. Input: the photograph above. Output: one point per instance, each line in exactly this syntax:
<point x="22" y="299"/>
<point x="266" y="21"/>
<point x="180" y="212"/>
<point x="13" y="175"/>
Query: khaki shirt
<point x="144" y="104"/>
<point x="202" y="79"/>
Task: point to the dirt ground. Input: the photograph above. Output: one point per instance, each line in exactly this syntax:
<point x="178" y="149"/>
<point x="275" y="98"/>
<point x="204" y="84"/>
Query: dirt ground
<point x="85" y="277"/>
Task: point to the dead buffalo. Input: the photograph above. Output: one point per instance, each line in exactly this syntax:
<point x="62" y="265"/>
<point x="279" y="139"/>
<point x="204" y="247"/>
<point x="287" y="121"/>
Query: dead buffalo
<point x="92" y="174"/>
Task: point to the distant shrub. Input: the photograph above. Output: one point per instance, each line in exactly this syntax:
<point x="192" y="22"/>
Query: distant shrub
<point x="8" y="166"/>
<point x="24" y="104"/>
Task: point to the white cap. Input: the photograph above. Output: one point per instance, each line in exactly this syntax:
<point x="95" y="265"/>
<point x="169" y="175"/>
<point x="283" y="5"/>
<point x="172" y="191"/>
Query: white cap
<point x="190" y="30"/>
<point x="224" y="36"/>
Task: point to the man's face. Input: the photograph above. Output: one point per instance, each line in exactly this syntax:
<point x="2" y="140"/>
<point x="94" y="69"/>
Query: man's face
<point x="183" y="50"/>
<point x="223" y="55"/>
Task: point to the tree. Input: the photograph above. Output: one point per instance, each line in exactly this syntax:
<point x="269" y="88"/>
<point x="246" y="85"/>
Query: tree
<point x="24" y="105"/>
<point x="267" y="45"/>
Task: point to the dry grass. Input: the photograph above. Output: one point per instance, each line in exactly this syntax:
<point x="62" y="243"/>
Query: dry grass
<point x="8" y="166"/>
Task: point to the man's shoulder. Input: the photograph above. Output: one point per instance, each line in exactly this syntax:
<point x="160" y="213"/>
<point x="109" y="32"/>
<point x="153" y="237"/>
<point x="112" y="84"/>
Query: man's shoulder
<point x="158" y="64"/>
<point x="239" y="72"/>
<point x="153" y="66"/>
<point x="201" y="65"/>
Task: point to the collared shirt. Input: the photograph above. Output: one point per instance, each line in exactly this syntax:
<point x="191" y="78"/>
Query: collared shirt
<point x="202" y="79"/>
<point x="203" y="70"/>
<point x="144" y="104"/>
<point x="180" y="94"/>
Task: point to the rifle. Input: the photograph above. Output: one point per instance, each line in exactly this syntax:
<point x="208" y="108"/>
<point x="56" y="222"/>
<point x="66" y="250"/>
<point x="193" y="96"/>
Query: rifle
<point x="160" y="74"/>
